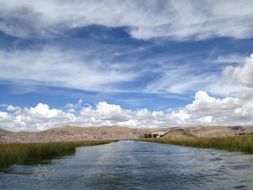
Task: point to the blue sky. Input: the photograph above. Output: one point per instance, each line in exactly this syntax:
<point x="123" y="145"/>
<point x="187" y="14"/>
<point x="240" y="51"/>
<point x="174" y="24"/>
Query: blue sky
<point x="115" y="45"/>
<point x="155" y="56"/>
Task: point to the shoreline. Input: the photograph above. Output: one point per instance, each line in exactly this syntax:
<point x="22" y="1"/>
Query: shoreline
<point x="243" y="144"/>
<point x="35" y="153"/>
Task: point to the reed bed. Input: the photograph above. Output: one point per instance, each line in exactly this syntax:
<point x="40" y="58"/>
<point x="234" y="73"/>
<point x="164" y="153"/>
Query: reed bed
<point x="233" y="143"/>
<point x="33" y="153"/>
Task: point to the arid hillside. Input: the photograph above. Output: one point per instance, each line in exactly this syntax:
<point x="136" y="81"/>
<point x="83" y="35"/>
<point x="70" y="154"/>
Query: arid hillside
<point x="210" y="131"/>
<point x="70" y="133"/>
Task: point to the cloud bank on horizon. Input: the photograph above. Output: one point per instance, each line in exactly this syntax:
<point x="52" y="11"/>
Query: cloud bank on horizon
<point x="159" y="63"/>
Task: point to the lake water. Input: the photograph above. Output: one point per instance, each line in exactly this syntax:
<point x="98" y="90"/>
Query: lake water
<point x="135" y="165"/>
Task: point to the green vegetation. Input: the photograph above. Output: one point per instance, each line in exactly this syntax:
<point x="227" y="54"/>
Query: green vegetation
<point x="234" y="143"/>
<point x="32" y="153"/>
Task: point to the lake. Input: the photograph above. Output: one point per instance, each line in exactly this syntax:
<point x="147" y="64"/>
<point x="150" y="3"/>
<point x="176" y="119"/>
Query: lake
<point x="135" y="165"/>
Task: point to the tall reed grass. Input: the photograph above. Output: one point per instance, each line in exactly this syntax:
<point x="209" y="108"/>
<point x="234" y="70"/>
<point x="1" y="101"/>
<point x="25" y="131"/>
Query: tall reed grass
<point x="31" y="153"/>
<point x="233" y="143"/>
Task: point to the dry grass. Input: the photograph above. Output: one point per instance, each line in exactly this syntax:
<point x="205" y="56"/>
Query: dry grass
<point x="29" y="153"/>
<point x="234" y="143"/>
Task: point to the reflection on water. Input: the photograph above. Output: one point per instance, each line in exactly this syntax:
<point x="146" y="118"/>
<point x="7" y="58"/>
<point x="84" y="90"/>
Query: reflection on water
<point x="136" y="165"/>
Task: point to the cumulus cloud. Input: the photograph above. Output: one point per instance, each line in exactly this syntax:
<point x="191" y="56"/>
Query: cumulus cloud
<point x="111" y="114"/>
<point x="42" y="111"/>
<point x="42" y="117"/>
<point x="34" y="118"/>
<point x="74" y="107"/>
<point x="204" y="110"/>
<point x="162" y="18"/>
<point x="235" y="80"/>
<point x="3" y="115"/>
<point x="12" y="108"/>
<point x="240" y="75"/>
<point x="235" y="108"/>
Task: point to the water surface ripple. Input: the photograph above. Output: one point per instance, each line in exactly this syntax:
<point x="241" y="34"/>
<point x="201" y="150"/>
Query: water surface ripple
<point x="135" y="165"/>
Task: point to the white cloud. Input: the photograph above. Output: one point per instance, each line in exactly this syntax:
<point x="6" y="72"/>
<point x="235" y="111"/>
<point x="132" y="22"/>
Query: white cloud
<point x="240" y="75"/>
<point x="42" y="111"/>
<point x="180" y="116"/>
<point x="42" y="117"/>
<point x="180" y="79"/>
<point x="34" y="118"/>
<point x="208" y="110"/>
<point x="12" y="108"/>
<point x="111" y="114"/>
<point x="3" y="115"/>
<point x="53" y="66"/>
<point x="74" y="107"/>
<point x="168" y="18"/>
<point x="235" y="80"/>
<point x="204" y="110"/>
<point x="104" y="112"/>
<point x="205" y="103"/>
<point x="206" y="120"/>
<point x="230" y="59"/>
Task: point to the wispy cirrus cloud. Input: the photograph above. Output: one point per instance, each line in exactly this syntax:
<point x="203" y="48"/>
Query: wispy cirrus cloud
<point x="180" y="80"/>
<point x="229" y="59"/>
<point x="53" y="66"/>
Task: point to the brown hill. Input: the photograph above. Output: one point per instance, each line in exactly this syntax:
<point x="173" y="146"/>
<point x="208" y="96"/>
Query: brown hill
<point x="210" y="131"/>
<point x="71" y="133"/>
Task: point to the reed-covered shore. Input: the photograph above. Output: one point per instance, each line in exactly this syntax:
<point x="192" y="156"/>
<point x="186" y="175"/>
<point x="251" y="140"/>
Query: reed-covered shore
<point x="32" y="153"/>
<point x="232" y="143"/>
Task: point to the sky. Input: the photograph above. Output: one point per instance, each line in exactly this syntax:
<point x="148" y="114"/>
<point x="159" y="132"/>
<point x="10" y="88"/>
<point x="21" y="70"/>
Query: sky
<point x="152" y="63"/>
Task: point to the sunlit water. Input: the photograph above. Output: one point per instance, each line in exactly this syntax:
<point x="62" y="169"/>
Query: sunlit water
<point x="135" y="165"/>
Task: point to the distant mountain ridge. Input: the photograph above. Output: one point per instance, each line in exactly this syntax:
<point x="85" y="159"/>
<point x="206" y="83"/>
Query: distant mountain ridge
<point x="73" y="133"/>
